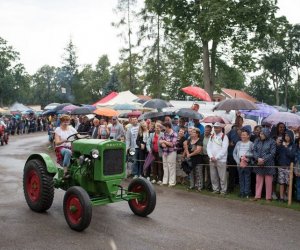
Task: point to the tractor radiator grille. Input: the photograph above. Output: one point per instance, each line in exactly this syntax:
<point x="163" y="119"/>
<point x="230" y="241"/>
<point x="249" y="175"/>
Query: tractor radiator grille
<point x="113" y="161"/>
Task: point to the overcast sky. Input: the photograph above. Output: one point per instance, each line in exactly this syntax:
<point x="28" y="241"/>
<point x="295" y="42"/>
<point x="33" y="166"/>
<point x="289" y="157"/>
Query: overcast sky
<point x="41" y="29"/>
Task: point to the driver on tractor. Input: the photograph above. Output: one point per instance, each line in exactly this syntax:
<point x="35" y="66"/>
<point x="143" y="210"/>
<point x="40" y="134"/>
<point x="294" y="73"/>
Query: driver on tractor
<point x="62" y="145"/>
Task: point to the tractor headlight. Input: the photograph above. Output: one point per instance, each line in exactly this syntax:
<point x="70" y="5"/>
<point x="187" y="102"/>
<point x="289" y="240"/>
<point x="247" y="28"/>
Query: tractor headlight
<point x="95" y="153"/>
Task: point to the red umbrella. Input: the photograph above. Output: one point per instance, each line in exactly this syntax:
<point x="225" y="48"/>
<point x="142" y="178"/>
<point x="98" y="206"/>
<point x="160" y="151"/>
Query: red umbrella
<point x="213" y="119"/>
<point x="197" y="92"/>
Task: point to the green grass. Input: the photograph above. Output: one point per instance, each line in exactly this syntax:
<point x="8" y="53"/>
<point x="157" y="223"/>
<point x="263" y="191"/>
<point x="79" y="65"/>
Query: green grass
<point x="234" y="196"/>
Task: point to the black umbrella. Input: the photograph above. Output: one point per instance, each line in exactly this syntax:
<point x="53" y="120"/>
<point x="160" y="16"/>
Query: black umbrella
<point x="235" y="104"/>
<point x="157" y="104"/>
<point x="61" y="106"/>
<point x="49" y="112"/>
<point x="151" y="115"/>
<point x="81" y="111"/>
<point x="189" y="113"/>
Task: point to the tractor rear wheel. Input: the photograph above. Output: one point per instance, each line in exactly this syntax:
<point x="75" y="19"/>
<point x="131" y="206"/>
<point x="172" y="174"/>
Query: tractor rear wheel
<point x="77" y="208"/>
<point x="146" y="204"/>
<point x="38" y="186"/>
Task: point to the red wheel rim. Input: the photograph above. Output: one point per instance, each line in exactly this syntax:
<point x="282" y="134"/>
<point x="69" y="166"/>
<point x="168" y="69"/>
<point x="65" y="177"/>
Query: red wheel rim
<point x="33" y="185"/>
<point x="139" y="204"/>
<point x="74" y="209"/>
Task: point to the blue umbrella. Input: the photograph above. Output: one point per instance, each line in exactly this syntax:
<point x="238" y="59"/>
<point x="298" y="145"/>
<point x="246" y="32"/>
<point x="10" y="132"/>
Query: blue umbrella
<point x="264" y="110"/>
<point x="90" y="107"/>
<point x="125" y="106"/>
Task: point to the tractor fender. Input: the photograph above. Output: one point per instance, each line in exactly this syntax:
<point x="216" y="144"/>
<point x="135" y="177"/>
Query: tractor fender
<point x="50" y="165"/>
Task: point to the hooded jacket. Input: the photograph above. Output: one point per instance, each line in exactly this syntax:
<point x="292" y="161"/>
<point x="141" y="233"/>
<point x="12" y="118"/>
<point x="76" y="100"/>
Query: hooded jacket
<point x="286" y="155"/>
<point x="265" y="149"/>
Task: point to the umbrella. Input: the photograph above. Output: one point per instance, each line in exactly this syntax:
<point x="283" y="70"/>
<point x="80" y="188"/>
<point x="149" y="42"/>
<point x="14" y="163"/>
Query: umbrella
<point x="289" y="119"/>
<point x="157" y="104"/>
<point x="213" y="119"/>
<point x="151" y="115"/>
<point x="90" y="107"/>
<point x="70" y="108"/>
<point x="51" y="106"/>
<point x="49" y="112"/>
<point x="127" y="106"/>
<point x="263" y="110"/>
<point x="197" y="92"/>
<point x="235" y="104"/>
<point x="106" y="112"/>
<point x="61" y="106"/>
<point x="189" y="113"/>
<point x="81" y="111"/>
<point x="134" y="113"/>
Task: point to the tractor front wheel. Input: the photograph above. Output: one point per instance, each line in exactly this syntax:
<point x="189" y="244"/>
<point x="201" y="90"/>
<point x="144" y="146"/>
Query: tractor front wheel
<point x="77" y="208"/>
<point x="38" y="186"/>
<point x="146" y="203"/>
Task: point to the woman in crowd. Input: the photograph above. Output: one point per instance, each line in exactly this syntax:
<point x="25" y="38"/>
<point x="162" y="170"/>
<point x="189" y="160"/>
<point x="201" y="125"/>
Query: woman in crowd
<point x="168" y="143"/>
<point x="285" y="155"/>
<point x="242" y="153"/>
<point x="141" y="142"/>
<point x="180" y="149"/>
<point x="155" y="149"/>
<point x="193" y="151"/>
<point x="62" y="146"/>
<point x="103" y="131"/>
<point x="264" y="156"/>
<point x="297" y="169"/>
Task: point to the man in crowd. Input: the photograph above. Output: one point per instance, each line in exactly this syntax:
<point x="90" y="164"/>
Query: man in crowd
<point x="217" y="152"/>
<point x="93" y="132"/>
<point x="116" y="129"/>
<point x="205" y="158"/>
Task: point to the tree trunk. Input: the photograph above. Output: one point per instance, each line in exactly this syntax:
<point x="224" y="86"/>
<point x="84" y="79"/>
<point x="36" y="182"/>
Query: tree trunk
<point x="129" y="44"/>
<point x="276" y="90"/>
<point x="206" y="69"/>
<point x="213" y="66"/>
<point x="158" y="59"/>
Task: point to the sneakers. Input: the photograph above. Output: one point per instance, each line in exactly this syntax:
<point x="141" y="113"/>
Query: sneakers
<point x="154" y="181"/>
<point x="215" y="192"/>
<point x="135" y="177"/>
<point x="173" y="185"/>
<point x="159" y="182"/>
<point x="274" y="196"/>
<point x="148" y="178"/>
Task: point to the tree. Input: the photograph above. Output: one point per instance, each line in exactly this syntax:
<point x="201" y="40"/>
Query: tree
<point x="112" y="85"/>
<point x="215" y="22"/>
<point x="125" y="7"/>
<point x="8" y="56"/>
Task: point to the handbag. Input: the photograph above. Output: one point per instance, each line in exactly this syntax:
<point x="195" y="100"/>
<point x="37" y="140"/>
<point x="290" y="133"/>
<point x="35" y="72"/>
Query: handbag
<point x="187" y="166"/>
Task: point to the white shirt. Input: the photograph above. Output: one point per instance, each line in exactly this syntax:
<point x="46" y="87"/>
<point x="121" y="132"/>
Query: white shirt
<point x="216" y="147"/>
<point x="64" y="134"/>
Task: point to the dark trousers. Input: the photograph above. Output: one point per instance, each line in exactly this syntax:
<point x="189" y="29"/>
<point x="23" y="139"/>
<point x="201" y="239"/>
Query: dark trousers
<point x="157" y="167"/>
<point x="233" y="174"/>
<point x="206" y="172"/>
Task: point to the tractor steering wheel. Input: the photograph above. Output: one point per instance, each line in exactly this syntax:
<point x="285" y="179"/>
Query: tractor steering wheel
<point x="77" y="136"/>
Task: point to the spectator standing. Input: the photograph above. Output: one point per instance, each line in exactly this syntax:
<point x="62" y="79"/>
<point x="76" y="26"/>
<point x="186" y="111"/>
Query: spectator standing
<point x="264" y="155"/>
<point x="199" y="126"/>
<point x="242" y="153"/>
<point x="156" y="150"/>
<point x="84" y="126"/>
<point x="93" y="132"/>
<point x="116" y="129"/>
<point x="103" y="131"/>
<point x="193" y="151"/>
<point x="175" y="125"/>
<point x="141" y="142"/>
<point x="217" y="147"/>
<point x="205" y="158"/>
<point x="180" y="149"/>
<point x="285" y="151"/>
<point x="297" y="169"/>
<point x="131" y="136"/>
<point x="168" y="144"/>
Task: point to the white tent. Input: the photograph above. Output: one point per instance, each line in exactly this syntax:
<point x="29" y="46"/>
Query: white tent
<point x="19" y="107"/>
<point x="122" y="98"/>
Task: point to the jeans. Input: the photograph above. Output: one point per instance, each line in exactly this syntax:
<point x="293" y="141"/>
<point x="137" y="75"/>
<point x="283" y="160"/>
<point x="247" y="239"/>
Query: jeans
<point x="136" y="169"/>
<point x="297" y="179"/>
<point x="245" y="180"/>
<point x="66" y="153"/>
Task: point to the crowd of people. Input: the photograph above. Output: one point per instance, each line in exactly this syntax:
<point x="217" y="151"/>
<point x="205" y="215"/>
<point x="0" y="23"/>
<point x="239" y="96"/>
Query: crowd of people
<point x="218" y="162"/>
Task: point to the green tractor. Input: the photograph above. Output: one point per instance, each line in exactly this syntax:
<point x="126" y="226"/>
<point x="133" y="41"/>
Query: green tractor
<point x="96" y="172"/>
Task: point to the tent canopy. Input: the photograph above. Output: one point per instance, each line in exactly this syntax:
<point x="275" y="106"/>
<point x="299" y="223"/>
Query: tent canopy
<point x="19" y="107"/>
<point x="121" y="98"/>
<point x="106" y="98"/>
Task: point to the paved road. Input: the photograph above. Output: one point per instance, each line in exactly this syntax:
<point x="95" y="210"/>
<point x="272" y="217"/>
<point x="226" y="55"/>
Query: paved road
<point x="181" y="220"/>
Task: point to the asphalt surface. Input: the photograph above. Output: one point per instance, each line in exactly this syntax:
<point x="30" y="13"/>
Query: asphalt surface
<point x="181" y="220"/>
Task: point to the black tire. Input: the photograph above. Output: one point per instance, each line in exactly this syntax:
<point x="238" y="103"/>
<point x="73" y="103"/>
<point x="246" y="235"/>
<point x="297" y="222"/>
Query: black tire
<point x="79" y="199"/>
<point x="38" y="186"/>
<point x="145" y="206"/>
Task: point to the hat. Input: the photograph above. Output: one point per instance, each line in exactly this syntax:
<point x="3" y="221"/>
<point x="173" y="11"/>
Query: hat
<point x="217" y="124"/>
<point x="176" y="117"/>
